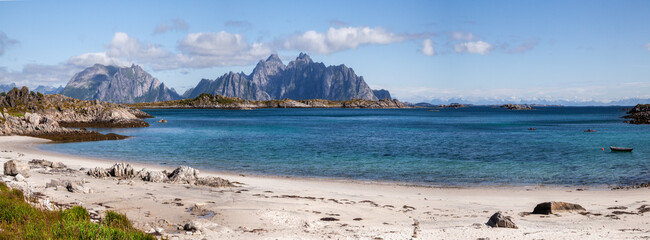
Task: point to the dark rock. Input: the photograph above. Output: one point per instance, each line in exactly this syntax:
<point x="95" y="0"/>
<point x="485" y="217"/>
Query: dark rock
<point x="382" y="94"/>
<point x="511" y="106"/>
<point x="329" y="219"/>
<point x="500" y="221"/>
<point x="555" y="207"/>
<point x="640" y="114"/>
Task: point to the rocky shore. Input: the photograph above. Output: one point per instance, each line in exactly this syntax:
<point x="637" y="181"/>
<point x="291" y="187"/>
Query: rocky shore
<point x="222" y="102"/>
<point x="55" y="117"/>
<point x="640" y="114"/>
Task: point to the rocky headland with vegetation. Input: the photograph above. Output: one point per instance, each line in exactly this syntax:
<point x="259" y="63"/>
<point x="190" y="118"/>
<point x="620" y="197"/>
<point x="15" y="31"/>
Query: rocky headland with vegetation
<point x="639" y="114"/>
<point x="60" y="118"/>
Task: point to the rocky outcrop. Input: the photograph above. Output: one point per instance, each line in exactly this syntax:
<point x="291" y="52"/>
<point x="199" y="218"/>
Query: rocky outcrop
<point x="511" y="106"/>
<point x="180" y="175"/>
<point x="15" y="167"/>
<point x="117" y="85"/>
<point x="555" y="207"/>
<point x="498" y="220"/>
<point x="300" y="79"/>
<point x="48" y="116"/>
<point x="184" y="174"/>
<point x="47" y="164"/>
<point x="639" y="114"/>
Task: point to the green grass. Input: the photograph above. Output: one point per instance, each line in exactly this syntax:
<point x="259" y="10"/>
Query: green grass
<point x="20" y="220"/>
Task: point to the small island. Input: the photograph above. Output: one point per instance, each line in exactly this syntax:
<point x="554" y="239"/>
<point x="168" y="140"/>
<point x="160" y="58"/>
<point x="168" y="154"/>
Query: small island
<point x="511" y="106"/>
<point x="209" y="101"/>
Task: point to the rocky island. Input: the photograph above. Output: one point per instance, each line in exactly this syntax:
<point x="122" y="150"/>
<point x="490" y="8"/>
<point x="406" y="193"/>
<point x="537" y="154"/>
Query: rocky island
<point x="640" y="114"/>
<point x="209" y="101"/>
<point x="511" y="106"/>
<point x="50" y="116"/>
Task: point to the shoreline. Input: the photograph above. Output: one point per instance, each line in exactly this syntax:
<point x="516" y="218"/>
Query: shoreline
<point x="600" y="187"/>
<point x="264" y="207"/>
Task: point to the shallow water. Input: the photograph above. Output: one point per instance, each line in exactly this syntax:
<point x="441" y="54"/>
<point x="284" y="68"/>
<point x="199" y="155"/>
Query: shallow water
<point x="452" y="147"/>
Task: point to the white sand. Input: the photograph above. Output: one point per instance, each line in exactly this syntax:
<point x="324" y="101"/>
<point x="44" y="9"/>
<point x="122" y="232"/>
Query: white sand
<point x="291" y="208"/>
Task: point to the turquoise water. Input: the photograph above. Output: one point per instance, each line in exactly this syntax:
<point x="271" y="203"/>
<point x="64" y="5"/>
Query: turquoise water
<point x="451" y="147"/>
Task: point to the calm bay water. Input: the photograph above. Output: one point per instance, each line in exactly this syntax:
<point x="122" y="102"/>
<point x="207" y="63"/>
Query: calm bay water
<point x="466" y="147"/>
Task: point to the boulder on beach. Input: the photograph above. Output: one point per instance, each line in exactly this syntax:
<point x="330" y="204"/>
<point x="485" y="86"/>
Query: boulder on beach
<point x="15" y="167"/>
<point x="184" y="174"/>
<point x="99" y="172"/>
<point x="214" y="182"/>
<point x="499" y="220"/>
<point x="152" y="175"/>
<point x="555" y="207"/>
<point x="46" y="163"/>
<point x="122" y="170"/>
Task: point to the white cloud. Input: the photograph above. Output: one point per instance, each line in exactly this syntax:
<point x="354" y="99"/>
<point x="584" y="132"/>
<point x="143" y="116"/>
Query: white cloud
<point x="123" y="46"/>
<point x="176" y="25"/>
<point x="427" y="47"/>
<point x="4" y="42"/>
<point x="208" y="49"/>
<point x="339" y="39"/>
<point x="89" y="59"/>
<point x="462" y="36"/>
<point x="478" y="47"/>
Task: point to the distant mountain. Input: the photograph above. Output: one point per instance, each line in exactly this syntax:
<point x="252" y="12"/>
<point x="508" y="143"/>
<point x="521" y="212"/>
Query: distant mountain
<point x="118" y="85"/>
<point x="382" y="94"/>
<point x="48" y="89"/>
<point x="300" y="79"/>
<point x="552" y="102"/>
<point x="7" y="87"/>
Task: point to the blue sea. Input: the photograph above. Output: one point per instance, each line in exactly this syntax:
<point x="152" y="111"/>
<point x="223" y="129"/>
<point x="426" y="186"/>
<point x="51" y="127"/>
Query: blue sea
<point x="474" y="146"/>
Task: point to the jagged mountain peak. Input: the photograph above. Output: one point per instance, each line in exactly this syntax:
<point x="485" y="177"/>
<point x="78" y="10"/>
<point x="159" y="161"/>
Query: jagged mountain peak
<point x="117" y="84"/>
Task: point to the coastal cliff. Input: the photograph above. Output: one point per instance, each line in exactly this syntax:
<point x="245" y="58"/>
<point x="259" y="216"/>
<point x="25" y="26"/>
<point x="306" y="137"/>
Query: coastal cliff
<point x="222" y="102"/>
<point x="49" y="116"/>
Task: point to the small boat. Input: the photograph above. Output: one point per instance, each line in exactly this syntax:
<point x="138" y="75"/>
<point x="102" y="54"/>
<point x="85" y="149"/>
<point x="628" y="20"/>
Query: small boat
<point x="620" y="149"/>
<point x="162" y="121"/>
<point x="532" y="129"/>
<point x="590" y="130"/>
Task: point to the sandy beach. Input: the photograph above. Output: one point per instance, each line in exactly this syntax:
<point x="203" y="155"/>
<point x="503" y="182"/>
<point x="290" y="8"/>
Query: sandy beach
<point x="267" y="207"/>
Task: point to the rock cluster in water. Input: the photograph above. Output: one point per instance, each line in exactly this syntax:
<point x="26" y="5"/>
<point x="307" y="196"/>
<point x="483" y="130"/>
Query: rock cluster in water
<point x="49" y="116"/>
<point x="511" y="106"/>
<point x="640" y="114"/>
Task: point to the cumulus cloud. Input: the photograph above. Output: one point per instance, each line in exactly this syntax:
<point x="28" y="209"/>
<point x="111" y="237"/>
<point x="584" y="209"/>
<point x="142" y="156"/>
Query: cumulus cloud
<point x="427" y="47"/>
<point x="5" y="42"/>
<point x="89" y="59"/>
<point x="207" y="49"/>
<point x="123" y="46"/>
<point x="339" y="39"/>
<point x="478" y="47"/>
<point x="175" y="25"/>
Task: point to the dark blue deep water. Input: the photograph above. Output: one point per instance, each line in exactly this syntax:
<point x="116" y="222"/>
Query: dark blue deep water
<point x="451" y="147"/>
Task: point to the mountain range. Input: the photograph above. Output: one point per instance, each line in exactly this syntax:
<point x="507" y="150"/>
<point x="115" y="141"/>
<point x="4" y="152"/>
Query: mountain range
<point x="40" y="88"/>
<point x="300" y="79"/>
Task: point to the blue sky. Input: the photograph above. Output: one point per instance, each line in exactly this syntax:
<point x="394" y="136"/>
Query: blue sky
<point x="419" y="50"/>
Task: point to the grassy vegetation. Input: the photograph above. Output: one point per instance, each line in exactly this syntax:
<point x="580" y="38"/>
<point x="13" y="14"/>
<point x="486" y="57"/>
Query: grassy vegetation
<point x="20" y="220"/>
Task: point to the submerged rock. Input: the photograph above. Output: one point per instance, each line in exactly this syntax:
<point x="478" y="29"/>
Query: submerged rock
<point x="184" y="174"/>
<point x="555" y="207"/>
<point x="15" y="167"/>
<point x="498" y="220"/>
